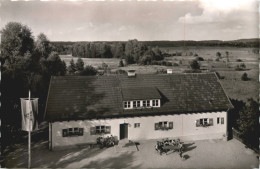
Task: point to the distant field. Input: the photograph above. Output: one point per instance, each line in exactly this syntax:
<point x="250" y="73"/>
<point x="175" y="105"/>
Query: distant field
<point x="95" y="62"/>
<point x="232" y="83"/>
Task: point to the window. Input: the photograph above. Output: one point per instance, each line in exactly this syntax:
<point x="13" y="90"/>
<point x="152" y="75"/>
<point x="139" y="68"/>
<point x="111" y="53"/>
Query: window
<point x="204" y="122"/>
<point x="222" y="120"/>
<point x="171" y="125"/>
<point x="146" y="103"/>
<point x="138" y="104"/>
<point x="134" y="104"/>
<point x="69" y="132"/>
<point x="100" y="130"/>
<point x="127" y="104"/>
<point x="137" y="125"/>
<point x="155" y="103"/>
<point x="163" y="125"/>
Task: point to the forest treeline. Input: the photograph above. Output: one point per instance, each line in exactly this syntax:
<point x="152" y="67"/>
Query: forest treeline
<point x="132" y="51"/>
<point x="69" y="47"/>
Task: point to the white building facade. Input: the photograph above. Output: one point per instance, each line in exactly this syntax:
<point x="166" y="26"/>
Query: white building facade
<point x="191" y="126"/>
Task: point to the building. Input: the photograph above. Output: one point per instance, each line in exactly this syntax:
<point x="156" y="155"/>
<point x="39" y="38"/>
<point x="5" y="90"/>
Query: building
<point x="137" y="107"/>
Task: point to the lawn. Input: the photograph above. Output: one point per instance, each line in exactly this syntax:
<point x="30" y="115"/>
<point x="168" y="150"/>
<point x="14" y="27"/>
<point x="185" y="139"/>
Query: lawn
<point x="198" y="154"/>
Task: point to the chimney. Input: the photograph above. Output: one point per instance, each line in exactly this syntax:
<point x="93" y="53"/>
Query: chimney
<point x="169" y="71"/>
<point x="131" y="73"/>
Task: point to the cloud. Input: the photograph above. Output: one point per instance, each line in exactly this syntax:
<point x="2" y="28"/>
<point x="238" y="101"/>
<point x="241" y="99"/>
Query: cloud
<point x="80" y="28"/>
<point x="125" y="28"/>
<point x="219" y="10"/>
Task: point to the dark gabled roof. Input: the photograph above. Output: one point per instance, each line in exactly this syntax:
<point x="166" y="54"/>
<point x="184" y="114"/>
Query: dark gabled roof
<point x="140" y="93"/>
<point x="87" y="97"/>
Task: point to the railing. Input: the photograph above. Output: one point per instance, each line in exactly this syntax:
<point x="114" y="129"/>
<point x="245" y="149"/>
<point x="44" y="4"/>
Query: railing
<point x="236" y="134"/>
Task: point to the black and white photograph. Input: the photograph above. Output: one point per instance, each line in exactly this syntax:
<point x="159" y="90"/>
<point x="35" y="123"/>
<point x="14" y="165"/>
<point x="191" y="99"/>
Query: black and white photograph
<point x="130" y="84"/>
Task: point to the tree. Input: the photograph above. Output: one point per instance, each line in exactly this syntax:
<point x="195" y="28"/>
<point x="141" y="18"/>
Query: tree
<point x="72" y="67"/>
<point x="233" y="114"/>
<point x="129" y="59"/>
<point x="121" y="63"/>
<point x="79" y="65"/>
<point x="88" y="71"/>
<point x="194" y="65"/>
<point x="53" y="65"/>
<point x="227" y="58"/>
<point x="199" y="58"/>
<point x="16" y="40"/>
<point x="218" y="54"/>
<point x="244" y="77"/>
<point x="42" y="45"/>
<point x="249" y="123"/>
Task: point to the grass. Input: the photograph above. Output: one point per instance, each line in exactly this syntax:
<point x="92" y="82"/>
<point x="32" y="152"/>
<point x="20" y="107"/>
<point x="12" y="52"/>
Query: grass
<point x="232" y="83"/>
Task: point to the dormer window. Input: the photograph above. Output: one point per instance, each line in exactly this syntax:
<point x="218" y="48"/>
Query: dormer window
<point x="155" y="103"/>
<point x="127" y="104"/>
<point x="146" y="103"/>
<point x="141" y="98"/>
<point x="138" y="103"/>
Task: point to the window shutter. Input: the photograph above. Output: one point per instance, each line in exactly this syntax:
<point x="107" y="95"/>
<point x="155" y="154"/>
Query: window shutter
<point x="156" y="126"/>
<point x="222" y="120"/>
<point x="171" y="125"/>
<point x="92" y="130"/>
<point x="211" y="121"/>
<point x="108" y="129"/>
<point x="64" y="132"/>
<point x="80" y="133"/>
<point x="197" y="123"/>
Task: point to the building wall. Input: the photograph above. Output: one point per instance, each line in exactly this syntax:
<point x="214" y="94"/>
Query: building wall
<point x="184" y="127"/>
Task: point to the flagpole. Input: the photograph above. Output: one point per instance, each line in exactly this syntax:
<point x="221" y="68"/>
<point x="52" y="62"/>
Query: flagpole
<point x="29" y="135"/>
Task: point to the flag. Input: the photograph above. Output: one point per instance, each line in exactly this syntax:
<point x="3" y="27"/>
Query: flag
<point x="29" y="114"/>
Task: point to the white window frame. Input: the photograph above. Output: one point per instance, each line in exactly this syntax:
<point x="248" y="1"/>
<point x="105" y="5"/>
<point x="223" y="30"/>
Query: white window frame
<point x="164" y="125"/>
<point x="155" y="103"/>
<point x="138" y="103"/>
<point x="102" y="129"/>
<point x="220" y="120"/>
<point x="146" y="103"/>
<point x="134" y="104"/>
<point x="205" y="122"/>
<point x="127" y="104"/>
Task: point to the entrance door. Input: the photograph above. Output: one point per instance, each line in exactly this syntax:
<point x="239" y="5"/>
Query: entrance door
<point x="123" y="131"/>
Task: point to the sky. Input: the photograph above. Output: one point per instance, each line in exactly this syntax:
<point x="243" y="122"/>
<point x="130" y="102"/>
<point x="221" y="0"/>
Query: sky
<point x="121" y="21"/>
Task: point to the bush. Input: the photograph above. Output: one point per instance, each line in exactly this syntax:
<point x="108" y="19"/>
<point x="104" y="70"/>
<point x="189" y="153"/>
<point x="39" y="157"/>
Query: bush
<point x="195" y="65"/>
<point x="217" y="59"/>
<point x="218" y="54"/>
<point x="163" y="63"/>
<point x="154" y="62"/>
<point x="244" y="77"/>
<point x="196" y="54"/>
<point x="199" y="58"/>
<point x="192" y="71"/>
<point x="121" y="63"/>
<point x="120" y="71"/>
<point x="175" y="64"/>
<point x="240" y="67"/>
<point x="88" y="70"/>
<point x="168" y="64"/>
<point x="239" y="60"/>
